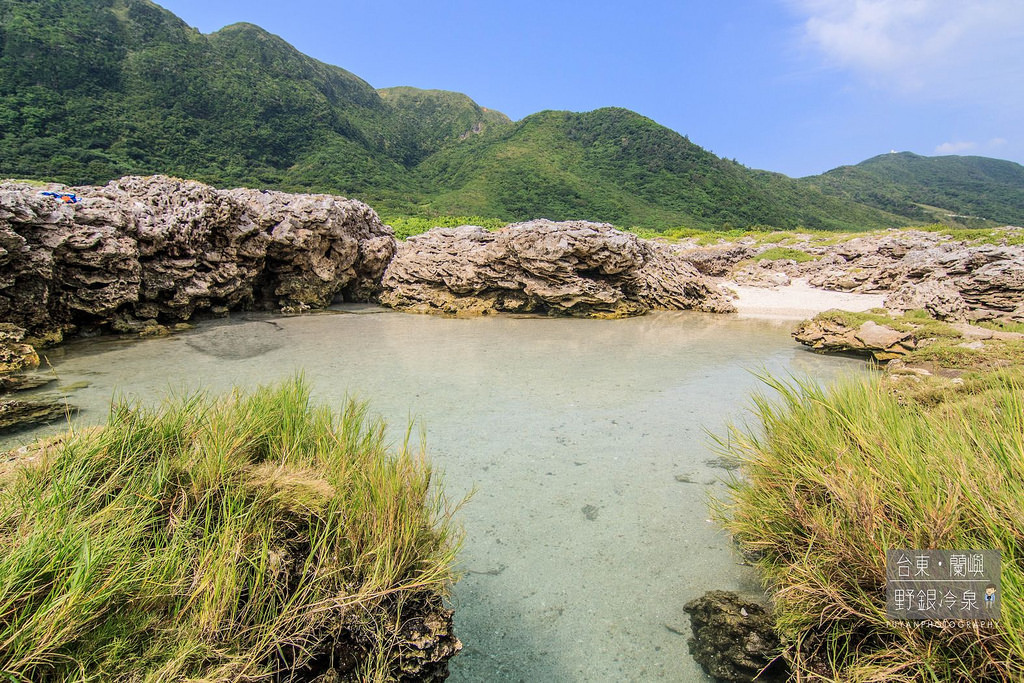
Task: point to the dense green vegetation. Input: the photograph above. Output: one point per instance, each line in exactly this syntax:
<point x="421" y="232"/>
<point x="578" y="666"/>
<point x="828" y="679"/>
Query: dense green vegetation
<point x="967" y="190"/>
<point x="617" y="166"/>
<point x="836" y="476"/>
<point x="94" y="89"/>
<point x="217" y="539"/>
<point x="425" y="121"/>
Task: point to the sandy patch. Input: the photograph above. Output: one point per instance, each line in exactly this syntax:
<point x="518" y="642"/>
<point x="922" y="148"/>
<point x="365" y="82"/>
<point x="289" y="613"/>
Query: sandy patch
<point x="797" y="301"/>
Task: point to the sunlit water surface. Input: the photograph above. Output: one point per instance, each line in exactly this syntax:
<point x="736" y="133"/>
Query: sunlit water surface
<point x="586" y="442"/>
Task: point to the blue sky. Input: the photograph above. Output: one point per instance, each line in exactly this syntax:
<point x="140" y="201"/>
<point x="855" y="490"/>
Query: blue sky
<point x="794" y="86"/>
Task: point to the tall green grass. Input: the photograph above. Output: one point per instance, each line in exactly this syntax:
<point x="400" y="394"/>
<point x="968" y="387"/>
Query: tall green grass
<point x="216" y="539"/>
<point x="831" y="478"/>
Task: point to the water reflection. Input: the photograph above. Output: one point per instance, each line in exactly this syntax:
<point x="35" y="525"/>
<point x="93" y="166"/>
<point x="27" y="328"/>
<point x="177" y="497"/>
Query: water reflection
<point x="585" y="441"/>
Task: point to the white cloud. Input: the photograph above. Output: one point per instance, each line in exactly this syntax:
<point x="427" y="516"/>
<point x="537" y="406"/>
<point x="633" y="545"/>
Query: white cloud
<point x="940" y="48"/>
<point x="955" y="147"/>
<point x="961" y="146"/>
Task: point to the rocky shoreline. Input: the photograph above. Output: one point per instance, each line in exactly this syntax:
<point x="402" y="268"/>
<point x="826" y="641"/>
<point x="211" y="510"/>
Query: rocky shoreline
<point x="141" y="256"/>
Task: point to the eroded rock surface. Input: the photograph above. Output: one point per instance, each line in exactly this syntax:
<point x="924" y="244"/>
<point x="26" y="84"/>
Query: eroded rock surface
<point x="16" y="414"/>
<point x="569" y="268"/>
<point x="427" y="642"/>
<point x="15" y="355"/>
<point x="832" y="333"/>
<point x="951" y="278"/>
<point x="734" y="640"/>
<point x="17" y="360"/>
<point x="142" y="251"/>
<point x="717" y="260"/>
<point x="768" y="274"/>
<point x="941" y="298"/>
<point x="887" y="336"/>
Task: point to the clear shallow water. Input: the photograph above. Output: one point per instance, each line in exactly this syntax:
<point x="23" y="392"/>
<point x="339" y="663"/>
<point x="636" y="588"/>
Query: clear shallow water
<point x="581" y="545"/>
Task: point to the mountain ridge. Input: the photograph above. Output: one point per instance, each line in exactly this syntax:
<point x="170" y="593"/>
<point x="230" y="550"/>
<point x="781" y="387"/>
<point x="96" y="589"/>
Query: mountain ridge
<point x="912" y="185"/>
<point x="92" y="90"/>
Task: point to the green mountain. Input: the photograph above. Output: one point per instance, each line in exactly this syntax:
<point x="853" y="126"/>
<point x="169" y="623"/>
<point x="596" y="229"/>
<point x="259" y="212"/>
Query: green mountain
<point x="932" y="188"/>
<point x="426" y="121"/>
<point x="94" y="89"/>
<point x="618" y="166"/>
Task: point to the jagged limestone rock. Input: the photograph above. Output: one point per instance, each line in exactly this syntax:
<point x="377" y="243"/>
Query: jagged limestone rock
<point x="717" y="260"/>
<point x="940" y="298"/>
<point x="830" y="333"/>
<point x="15" y="356"/>
<point x="568" y="268"/>
<point x="144" y="252"/>
<point x="17" y="414"/>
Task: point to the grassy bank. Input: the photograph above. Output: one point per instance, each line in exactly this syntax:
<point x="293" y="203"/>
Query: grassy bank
<point x="831" y="478"/>
<point x="251" y="537"/>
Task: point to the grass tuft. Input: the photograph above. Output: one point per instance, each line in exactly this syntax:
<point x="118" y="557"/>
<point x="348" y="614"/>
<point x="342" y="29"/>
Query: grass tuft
<point x="776" y="253"/>
<point x="836" y="476"/>
<point x="214" y="539"/>
<point x="1003" y="325"/>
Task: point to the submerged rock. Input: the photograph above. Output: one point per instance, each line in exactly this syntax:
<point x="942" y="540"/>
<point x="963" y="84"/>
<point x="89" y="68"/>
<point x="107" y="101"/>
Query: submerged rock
<point x="23" y="382"/>
<point x="18" y="414"/>
<point x="16" y="360"/>
<point x="734" y="639"/>
<point x="570" y="268"/>
<point x="141" y="253"/>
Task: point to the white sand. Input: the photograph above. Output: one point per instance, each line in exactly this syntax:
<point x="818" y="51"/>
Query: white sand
<point x="797" y="301"/>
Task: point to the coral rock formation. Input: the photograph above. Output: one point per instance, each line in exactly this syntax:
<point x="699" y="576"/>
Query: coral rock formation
<point x="155" y="250"/>
<point x="569" y="268"/>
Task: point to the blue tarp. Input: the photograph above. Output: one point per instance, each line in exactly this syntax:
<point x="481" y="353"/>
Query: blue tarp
<point x="66" y="197"/>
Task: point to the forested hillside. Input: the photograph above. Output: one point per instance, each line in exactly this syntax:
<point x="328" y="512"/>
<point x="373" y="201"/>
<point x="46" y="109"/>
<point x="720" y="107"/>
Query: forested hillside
<point x="95" y="89"/>
<point x="616" y="165"/>
<point x="932" y="188"/>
